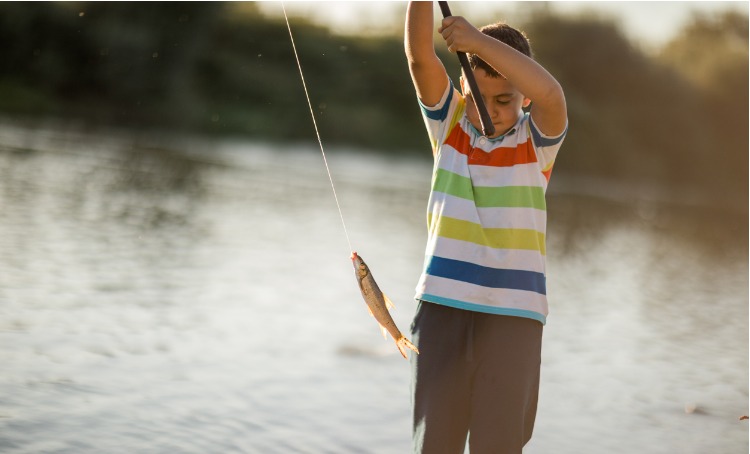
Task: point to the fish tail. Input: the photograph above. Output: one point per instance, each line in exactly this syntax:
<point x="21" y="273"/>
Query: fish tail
<point x="402" y="343"/>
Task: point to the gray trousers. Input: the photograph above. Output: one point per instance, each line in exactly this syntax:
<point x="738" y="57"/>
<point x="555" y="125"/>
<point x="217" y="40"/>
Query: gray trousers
<point x="476" y="374"/>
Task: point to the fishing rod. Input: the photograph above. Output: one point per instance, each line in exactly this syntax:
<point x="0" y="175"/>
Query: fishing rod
<point x="488" y="128"/>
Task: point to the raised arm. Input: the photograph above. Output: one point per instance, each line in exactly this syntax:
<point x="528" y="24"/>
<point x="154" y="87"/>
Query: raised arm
<point x="548" y="107"/>
<point x="427" y="71"/>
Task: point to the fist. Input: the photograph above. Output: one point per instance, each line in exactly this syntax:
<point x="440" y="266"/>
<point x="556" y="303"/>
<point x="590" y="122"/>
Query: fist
<point x="460" y="35"/>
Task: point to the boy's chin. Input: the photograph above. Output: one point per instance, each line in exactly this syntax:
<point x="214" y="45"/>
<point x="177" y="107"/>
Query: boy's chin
<point x="499" y="131"/>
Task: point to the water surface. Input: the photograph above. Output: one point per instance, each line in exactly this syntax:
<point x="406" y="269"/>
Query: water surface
<point x="163" y="295"/>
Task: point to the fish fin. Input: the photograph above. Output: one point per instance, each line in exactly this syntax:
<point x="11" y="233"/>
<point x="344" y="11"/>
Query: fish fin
<point x="404" y="342"/>
<point x="388" y="303"/>
<point x="384" y="331"/>
<point x="370" y="311"/>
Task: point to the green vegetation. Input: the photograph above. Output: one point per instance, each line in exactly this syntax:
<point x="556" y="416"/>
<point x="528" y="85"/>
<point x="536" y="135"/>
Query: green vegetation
<point x="680" y="116"/>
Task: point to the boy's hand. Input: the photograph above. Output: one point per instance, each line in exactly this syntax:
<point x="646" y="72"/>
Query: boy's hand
<point x="461" y="36"/>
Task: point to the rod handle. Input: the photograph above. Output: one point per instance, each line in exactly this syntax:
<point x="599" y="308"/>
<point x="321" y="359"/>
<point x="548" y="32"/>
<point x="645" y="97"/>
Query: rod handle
<point x="488" y="128"/>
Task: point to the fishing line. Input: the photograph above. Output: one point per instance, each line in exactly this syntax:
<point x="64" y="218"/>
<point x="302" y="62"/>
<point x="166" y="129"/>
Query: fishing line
<point x="317" y="133"/>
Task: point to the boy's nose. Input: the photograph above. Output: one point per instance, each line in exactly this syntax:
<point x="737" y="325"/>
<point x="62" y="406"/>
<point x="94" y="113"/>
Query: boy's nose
<point x="492" y="109"/>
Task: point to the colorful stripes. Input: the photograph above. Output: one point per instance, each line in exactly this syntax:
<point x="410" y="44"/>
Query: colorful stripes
<point x="542" y="141"/>
<point x="486" y="196"/>
<point x="487" y="277"/>
<point x="487" y="309"/>
<point x="496" y="238"/>
<point x="486" y="215"/>
<point x="497" y="217"/>
<point x="516" y="259"/>
<point x="548" y="171"/>
<point x="501" y="156"/>
<point x="441" y="113"/>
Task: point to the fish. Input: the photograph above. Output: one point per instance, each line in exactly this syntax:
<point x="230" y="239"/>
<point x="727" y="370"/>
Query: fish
<point x="378" y="305"/>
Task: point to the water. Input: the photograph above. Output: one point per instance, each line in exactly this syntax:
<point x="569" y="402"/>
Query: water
<point x="187" y="296"/>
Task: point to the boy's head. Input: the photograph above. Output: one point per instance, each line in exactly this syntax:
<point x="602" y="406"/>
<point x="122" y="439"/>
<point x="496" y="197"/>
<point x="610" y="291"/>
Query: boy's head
<point x="503" y="101"/>
<point x="506" y="34"/>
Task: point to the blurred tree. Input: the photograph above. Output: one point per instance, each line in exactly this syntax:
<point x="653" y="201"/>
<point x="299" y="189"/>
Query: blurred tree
<point x="224" y="68"/>
<point x="636" y="118"/>
<point x="712" y="53"/>
<point x="111" y="62"/>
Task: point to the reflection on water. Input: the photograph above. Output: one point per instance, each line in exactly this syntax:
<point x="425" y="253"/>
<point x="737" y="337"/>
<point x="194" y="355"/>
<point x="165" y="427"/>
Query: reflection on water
<point x="188" y="296"/>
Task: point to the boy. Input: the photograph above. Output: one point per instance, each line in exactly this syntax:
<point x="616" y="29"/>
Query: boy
<point x="482" y="293"/>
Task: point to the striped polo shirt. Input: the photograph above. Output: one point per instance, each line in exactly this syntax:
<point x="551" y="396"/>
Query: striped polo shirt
<point x="486" y="215"/>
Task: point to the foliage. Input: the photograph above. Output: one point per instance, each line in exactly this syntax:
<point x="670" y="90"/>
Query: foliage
<point x="712" y="53"/>
<point x="679" y="117"/>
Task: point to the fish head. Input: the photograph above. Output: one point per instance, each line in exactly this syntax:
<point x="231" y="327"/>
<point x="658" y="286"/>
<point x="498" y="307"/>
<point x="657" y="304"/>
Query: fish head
<point x="360" y="268"/>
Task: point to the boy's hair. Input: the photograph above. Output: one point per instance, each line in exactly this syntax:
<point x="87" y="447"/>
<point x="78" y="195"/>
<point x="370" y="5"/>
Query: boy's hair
<point x="506" y="34"/>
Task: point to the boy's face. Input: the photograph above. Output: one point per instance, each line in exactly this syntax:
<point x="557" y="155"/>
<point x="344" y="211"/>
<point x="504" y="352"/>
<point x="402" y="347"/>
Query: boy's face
<point x="504" y="103"/>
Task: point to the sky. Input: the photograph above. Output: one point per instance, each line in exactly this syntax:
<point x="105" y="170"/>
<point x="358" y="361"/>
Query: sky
<point x="652" y="23"/>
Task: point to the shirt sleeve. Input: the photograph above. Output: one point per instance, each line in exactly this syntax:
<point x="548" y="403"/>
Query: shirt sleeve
<point x="546" y="147"/>
<point x="440" y="118"/>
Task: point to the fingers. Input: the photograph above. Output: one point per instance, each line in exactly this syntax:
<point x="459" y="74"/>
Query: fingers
<point x="450" y="43"/>
<point x="451" y="21"/>
<point x="446" y="25"/>
<point x="448" y="21"/>
<point x="446" y="31"/>
<point x="455" y="32"/>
